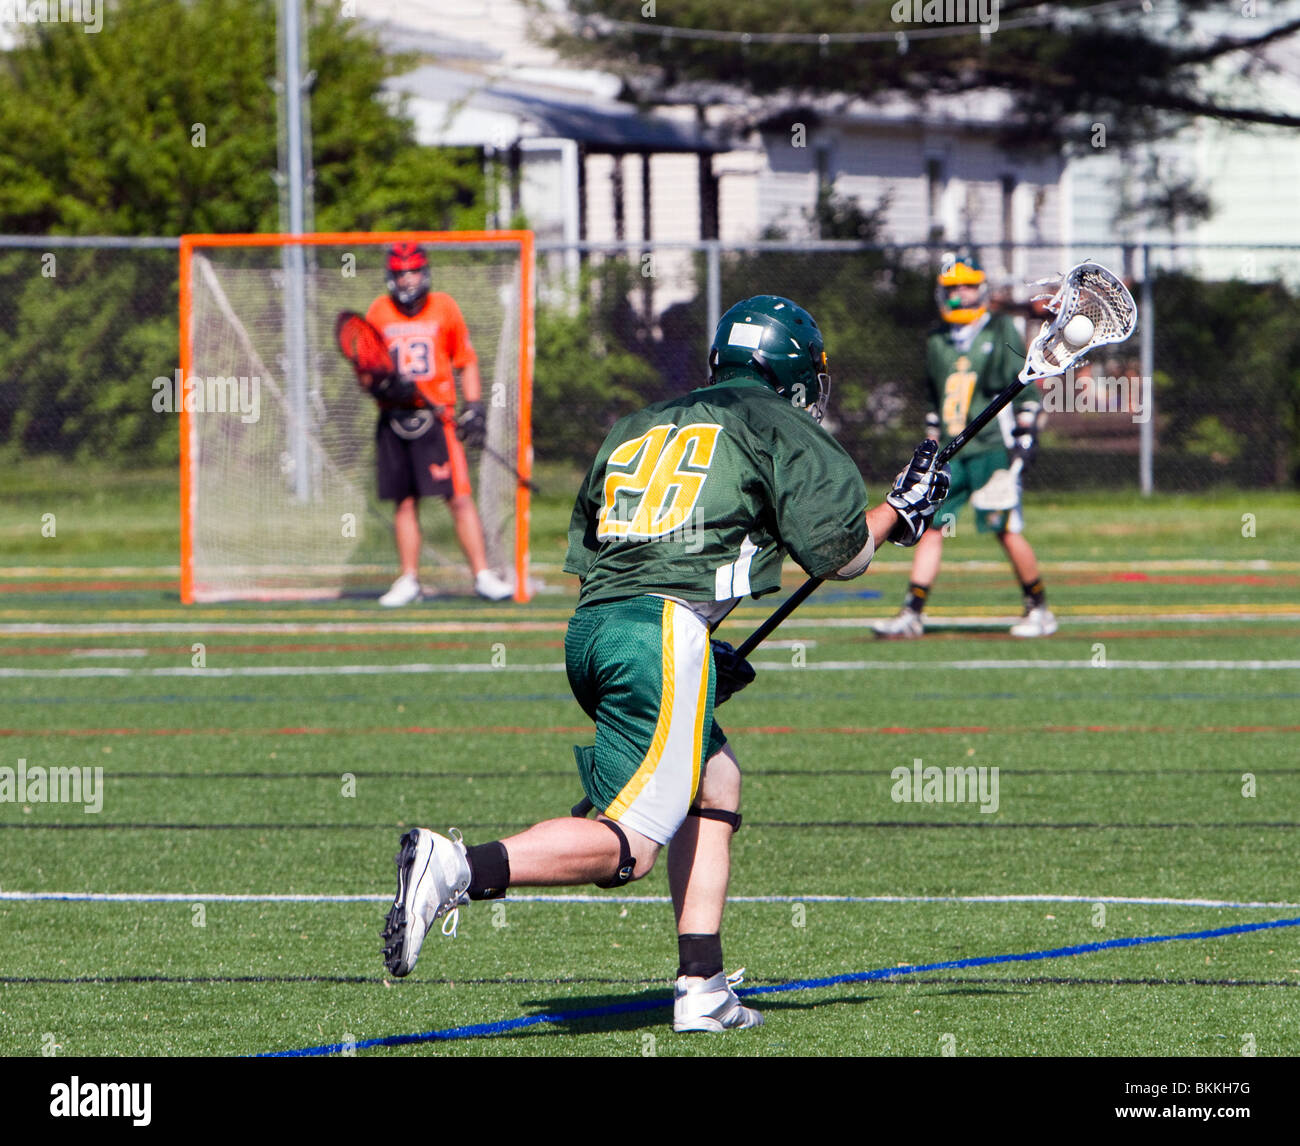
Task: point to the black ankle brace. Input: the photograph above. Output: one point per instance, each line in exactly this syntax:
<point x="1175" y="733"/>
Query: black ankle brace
<point x="699" y="955"/>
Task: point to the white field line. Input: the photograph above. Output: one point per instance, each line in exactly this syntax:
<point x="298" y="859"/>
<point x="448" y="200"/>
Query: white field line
<point x="1183" y="564"/>
<point x="767" y="666"/>
<point x="222" y="897"/>
<point x="136" y="628"/>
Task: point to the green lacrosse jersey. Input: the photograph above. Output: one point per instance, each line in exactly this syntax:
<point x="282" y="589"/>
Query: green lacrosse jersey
<point x="965" y="374"/>
<point x="700" y="498"/>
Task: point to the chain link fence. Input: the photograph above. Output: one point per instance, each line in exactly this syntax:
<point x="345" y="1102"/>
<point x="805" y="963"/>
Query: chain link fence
<point x="1207" y="393"/>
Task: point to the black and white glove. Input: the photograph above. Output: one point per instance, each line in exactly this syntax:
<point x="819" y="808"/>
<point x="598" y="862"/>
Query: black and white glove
<point x="917" y="494"/>
<point x="471" y="426"/>
<point x="731" y="672"/>
<point x="1024" y="442"/>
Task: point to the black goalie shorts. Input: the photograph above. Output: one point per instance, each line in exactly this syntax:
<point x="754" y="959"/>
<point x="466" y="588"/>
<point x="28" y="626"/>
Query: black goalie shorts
<point x="411" y="449"/>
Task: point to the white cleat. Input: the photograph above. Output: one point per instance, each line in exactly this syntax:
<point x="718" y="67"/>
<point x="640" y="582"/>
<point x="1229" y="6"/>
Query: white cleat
<point x="1039" y="622"/>
<point x="404" y="590"/>
<point x="711" y="1004"/>
<point x="907" y="624"/>
<point x="491" y="588"/>
<point x="432" y="879"/>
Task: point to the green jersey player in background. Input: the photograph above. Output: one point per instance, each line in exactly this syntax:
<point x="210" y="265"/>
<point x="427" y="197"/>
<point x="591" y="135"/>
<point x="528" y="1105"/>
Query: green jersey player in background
<point x="969" y="359"/>
<point x="690" y="505"/>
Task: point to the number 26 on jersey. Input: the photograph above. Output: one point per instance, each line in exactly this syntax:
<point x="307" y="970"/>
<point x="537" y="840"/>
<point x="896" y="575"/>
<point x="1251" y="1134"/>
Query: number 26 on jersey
<point x="652" y="483"/>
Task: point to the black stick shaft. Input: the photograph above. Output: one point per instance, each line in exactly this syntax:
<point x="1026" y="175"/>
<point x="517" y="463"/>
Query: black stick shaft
<point x="503" y="461"/>
<point x="801" y="594"/>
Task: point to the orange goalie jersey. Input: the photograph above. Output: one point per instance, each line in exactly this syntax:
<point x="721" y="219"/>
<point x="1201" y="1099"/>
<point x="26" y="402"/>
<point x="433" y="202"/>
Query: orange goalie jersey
<point x="428" y="345"/>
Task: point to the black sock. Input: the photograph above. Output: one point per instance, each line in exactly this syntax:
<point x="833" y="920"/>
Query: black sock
<point x="489" y="870"/>
<point x="699" y="955"/>
<point x="916" y="597"/>
<point x="1035" y="594"/>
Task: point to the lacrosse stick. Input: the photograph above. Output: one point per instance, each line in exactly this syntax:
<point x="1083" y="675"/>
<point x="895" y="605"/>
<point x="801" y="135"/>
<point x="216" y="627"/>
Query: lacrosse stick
<point x="1087" y="291"/>
<point x="363" y="345"/>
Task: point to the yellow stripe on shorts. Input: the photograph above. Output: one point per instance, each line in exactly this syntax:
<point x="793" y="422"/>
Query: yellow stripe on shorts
<point x="635" y="786"/>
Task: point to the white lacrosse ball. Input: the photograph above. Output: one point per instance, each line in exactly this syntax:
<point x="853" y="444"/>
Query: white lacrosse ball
<point x="1078" y="331"/>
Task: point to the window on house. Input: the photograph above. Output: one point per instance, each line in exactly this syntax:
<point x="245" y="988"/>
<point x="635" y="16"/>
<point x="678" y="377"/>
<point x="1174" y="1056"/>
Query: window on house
<point x="934" y="181"/>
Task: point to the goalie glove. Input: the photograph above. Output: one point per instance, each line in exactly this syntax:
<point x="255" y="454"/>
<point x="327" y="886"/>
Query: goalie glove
<point x="394" y="390"/>
<point x="917" y="494"/>
<point x="1024" y="441"/>
<point x="731" y="672"/>
<point x="471" y="426"/>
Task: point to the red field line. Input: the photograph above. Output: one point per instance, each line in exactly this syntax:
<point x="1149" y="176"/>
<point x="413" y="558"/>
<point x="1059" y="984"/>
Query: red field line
<point x="85" y="586"/>
<point x="1192" y="578"/>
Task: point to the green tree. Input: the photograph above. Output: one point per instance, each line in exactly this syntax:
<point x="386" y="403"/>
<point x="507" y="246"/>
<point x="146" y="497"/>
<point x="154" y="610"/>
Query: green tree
<point x="164" y="123"/>
<point x="1066" y="65"/>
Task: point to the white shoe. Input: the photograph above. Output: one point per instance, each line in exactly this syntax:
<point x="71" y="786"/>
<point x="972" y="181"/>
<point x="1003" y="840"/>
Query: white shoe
<point x="432" y="879"/>
<point x="711" y="1004"/>
<point x="490" y="587"/>
<point x="908" y="623"/>
<point x="1039" y="622"/>
<point x="405" y="590"/>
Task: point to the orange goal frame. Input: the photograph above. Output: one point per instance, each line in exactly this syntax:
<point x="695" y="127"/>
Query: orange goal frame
<point x="524" y="460"/>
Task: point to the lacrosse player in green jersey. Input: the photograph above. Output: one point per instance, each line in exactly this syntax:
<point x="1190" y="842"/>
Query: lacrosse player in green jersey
<point x="690" y="505"/>
<point x="973" y="356"/>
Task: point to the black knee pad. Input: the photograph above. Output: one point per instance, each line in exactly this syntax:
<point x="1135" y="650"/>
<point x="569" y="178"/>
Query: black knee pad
<point x="626" y="861"/>
<point x="732" y="818"/>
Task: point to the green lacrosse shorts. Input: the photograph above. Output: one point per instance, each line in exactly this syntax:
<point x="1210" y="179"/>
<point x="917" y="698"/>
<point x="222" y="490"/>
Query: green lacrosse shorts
<point x="642" y="669"/>
<point x="968" y="474"/>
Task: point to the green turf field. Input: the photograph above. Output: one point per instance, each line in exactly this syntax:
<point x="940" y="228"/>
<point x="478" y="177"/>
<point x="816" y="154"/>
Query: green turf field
<point x="1148" y="788"/>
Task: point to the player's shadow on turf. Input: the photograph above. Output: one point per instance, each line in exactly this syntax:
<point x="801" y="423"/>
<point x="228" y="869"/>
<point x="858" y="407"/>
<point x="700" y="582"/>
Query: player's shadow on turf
<point x="652" y="1010"/>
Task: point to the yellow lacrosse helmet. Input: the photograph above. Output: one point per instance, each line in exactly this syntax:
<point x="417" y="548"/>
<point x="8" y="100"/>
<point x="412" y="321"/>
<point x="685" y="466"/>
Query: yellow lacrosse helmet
<point x="961" y="268"/>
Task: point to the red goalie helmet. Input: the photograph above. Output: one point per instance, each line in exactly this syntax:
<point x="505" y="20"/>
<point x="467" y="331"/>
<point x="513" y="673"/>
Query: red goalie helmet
<point x="402" y="259"/>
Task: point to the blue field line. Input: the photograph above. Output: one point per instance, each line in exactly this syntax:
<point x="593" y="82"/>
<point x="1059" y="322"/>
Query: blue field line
<point x="482" y="1030"/>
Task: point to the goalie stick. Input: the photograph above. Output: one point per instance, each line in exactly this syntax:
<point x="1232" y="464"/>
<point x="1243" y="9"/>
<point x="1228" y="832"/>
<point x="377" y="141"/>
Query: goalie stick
<point x="1088" y="289"/>
<point x="364" y="346"/>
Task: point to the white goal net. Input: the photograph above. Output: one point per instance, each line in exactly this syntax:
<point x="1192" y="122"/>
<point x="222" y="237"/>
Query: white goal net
<point x="278" y="478"/>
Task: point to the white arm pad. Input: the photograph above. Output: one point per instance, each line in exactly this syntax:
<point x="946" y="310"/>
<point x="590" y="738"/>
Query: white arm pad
<point x="857" y="565"/>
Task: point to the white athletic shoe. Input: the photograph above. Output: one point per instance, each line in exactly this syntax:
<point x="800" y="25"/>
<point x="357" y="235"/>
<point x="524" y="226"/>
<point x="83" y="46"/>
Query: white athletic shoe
<point x="711" y="1004"/>
<point x="405" y="590"/>
<point x="491" y="588"/>
<point x="432" y="879"/>
<point x="907" y="624"/>
<point x="1039" y="622"/>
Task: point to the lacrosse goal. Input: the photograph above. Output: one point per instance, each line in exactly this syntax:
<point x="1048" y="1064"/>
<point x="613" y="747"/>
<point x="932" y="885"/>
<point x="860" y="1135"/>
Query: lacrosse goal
<point x="278" y="484"/>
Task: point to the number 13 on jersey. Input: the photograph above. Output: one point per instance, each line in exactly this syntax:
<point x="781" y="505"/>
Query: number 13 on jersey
<point x="659" y="476"/>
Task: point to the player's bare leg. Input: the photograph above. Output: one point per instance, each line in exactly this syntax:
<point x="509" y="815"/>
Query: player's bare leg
<point x="406" y="528"/>
<point x="1021" y="555"/>
<point x="699" y="869"/>
<point x="469" y="532"/>
<point x="1039" y="620"/>
<point x="699" y="857"/>
<point x="567" y="851"/>
<point x="406" y="531"/>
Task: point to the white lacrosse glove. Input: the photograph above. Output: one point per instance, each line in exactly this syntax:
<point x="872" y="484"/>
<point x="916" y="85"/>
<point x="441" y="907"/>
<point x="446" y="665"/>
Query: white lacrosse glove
<point x="917" y="493"/>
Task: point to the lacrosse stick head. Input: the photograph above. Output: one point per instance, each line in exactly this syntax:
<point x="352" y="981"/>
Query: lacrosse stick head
<point x="1088" y="289"/>
<point x="363" y="345"/>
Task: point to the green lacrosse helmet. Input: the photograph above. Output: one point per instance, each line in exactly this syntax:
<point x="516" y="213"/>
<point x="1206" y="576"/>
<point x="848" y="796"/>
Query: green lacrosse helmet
<point x="774" y="339"/>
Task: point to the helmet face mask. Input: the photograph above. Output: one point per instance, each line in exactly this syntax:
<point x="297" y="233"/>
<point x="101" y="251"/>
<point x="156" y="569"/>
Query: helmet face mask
<point x="776" y="340"/>
<point x="961" y="269"/>
<point x="402" y="259"/>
